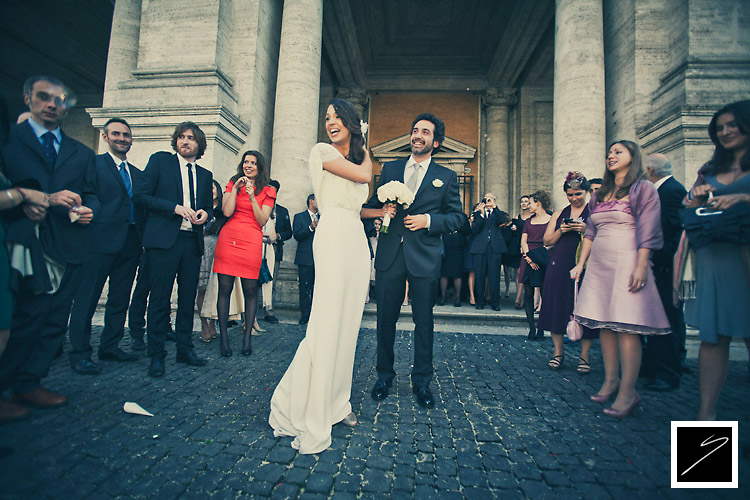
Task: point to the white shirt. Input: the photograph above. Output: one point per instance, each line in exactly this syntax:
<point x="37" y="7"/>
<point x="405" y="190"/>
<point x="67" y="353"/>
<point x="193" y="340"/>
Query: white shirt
<point x="409" y="171"/>
<point x="118" y="162"/>
<point x="186" y="225"/>
<point x="313" y="216"/>
<point x="661" y="181"/>
<point x="39" y="130"/>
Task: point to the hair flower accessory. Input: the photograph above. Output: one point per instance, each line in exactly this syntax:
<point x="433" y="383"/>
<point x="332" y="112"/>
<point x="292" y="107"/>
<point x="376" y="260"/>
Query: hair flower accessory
<point x="574" y="179"/>
<point x="437" y="183"/>
<point x="363" y="126"/>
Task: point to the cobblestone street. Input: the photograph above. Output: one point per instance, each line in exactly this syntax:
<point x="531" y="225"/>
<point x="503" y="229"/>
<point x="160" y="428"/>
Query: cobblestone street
<point x="504" y="426"/>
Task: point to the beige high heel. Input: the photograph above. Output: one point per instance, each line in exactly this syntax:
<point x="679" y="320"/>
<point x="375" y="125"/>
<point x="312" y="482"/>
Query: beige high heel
<point x="349" y="420"/>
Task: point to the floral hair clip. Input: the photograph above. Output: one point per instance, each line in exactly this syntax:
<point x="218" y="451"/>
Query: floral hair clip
<point x="574" y="179"/>
<point x="363" y="126"/>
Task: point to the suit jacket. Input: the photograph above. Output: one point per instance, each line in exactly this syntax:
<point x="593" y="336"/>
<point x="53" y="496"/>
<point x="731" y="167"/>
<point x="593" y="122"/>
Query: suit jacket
<point x="304" y="237"/>
<point x="488" y="235"/>
<point x="110" y="227"/>
<point x="284" y="228"/>
<point x="671" y="194"/>
<point x="159" y="190"/>
<point x="25" y="165"/>
<point x="437" y="196"/>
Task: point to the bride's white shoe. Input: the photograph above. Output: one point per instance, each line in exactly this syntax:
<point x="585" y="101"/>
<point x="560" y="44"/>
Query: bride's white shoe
<point x="349" y="420"/>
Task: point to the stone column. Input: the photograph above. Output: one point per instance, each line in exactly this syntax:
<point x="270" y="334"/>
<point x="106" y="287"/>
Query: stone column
<point x="295" y="124"/>
<point x="496" y="175"/>
<point x="579" y="129"/>
<point x="122" y="58"/>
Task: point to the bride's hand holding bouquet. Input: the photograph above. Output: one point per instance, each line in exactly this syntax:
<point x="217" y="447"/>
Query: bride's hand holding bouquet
<point x="392" y="194"/>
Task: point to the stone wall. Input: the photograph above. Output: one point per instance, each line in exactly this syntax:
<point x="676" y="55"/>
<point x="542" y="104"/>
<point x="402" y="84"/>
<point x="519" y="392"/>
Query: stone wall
<point x="532" y="139"/>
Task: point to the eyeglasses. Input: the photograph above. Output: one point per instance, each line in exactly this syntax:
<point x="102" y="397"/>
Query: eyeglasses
<point x="60" y="101"/>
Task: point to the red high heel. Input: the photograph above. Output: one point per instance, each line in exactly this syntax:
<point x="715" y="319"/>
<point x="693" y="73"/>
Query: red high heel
<point x="627" y="411"/>
<point x="603" y="398"/>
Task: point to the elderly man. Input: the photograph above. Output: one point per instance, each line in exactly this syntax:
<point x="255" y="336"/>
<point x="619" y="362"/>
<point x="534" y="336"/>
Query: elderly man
<point x="661" y="361"/>
<point x="487" y="249"/>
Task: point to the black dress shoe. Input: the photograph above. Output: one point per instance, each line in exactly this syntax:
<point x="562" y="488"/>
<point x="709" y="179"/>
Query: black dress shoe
<point x="380" y="391"/>
<point x="684" y="368"/>
<point x="270" y="318"/>
<point x="480" y="306"/>
<point x="424" y="396"/>
<point x="171" y="336"/>
<point x="137" y="345"/>
<point x="190" y="359"/>
<point x="660" y="385"/>
<point x="303" y="321"/>
<point x="457" y="303"/>
<point x="495" y="308"/>
<point x="157" y="367"/>
<point x="118" y="355"/>
<point x="85" y="366"/>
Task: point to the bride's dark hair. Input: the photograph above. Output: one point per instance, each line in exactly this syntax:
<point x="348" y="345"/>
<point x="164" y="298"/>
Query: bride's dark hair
<point x="350" y="118"/>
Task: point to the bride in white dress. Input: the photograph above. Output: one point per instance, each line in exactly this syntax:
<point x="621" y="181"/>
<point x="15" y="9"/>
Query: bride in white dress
<point x="314" y="393"/>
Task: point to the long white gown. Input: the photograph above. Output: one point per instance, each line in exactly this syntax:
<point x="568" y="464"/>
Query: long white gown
<point x="315" y="390"/>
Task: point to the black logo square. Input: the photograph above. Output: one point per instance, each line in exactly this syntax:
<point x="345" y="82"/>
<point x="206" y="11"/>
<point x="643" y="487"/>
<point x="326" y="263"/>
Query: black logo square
<point x="704" y="454"/>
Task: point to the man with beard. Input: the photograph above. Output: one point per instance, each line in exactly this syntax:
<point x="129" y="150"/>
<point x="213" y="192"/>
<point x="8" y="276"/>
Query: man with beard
<point x="410" y="250"/>
<point x="173" y="239"/>
<point x="116" y="248"/>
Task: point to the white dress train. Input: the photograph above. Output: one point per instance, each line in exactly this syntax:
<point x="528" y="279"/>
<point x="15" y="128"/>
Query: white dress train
<point x="314" y="393"/>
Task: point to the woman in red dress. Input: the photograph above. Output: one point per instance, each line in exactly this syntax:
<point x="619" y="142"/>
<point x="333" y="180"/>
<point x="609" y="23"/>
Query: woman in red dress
<point x="247" y="203"/>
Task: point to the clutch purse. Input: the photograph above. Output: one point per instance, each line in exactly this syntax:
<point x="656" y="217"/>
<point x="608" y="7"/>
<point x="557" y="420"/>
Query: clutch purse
<point x="264" y="275"/>
<point x="704" y="226"/>
<point x="574" y="330"/>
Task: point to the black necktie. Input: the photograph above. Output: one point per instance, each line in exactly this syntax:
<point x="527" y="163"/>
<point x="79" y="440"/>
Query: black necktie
<point x="192" y="186"/>
<point x="49" y="148"/>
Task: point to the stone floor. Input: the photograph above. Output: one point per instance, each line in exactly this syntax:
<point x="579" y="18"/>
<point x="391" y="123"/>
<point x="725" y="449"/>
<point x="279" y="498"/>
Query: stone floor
<point x="505" y="426"/>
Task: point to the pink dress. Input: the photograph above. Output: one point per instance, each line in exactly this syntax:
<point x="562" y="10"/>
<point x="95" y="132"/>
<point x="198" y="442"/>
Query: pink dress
<point x="604" y="300"/>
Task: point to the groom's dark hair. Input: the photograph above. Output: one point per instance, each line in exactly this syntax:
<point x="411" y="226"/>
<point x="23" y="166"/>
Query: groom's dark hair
<point x="439" y="133"/>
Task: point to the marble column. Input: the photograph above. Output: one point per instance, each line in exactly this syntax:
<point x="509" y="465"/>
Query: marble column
<point x="579" y="128"/>
<point x="122" y="58"/>
<point x="295" y="124"/>
<point x="496" y="175"/>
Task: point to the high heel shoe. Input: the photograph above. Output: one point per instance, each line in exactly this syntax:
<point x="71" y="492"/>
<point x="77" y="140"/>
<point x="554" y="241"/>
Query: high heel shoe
<point x="246" y="352"/>
<point x="226" y="353"/>
<point x="603" y="398"/>
<point x="632" y="409"/>
<point x="247" y="347"/>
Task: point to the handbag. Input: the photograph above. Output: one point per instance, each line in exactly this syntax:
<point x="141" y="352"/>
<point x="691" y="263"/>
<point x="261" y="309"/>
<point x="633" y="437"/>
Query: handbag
<point x="264" y="275"/>
<point x="704" y="226"/>
<point x="574" y="330"/>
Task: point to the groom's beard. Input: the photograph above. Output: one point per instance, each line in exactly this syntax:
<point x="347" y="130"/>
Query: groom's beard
<point x="415" y="149"/>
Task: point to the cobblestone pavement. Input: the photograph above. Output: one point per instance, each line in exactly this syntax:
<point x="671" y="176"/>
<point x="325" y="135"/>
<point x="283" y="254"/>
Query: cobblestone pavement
<point x="505" y="426"/>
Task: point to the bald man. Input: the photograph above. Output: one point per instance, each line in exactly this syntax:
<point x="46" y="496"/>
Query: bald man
<point x="661" y="361"/>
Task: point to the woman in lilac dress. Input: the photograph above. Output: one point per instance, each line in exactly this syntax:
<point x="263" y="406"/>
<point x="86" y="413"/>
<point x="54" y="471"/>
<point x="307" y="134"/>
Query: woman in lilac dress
<point x="532" y="238"/>
<point x="565" y="231"/>
<point x="618" y="293"/>
<point x="721" y="308"/>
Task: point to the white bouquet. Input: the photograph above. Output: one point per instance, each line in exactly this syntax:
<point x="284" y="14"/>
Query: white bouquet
<point x="394" y="192"/>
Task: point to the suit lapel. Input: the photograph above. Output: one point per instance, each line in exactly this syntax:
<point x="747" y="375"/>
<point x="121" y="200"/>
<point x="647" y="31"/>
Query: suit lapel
<point x="67" y="148"/>
<point x="178" y="178"/>
<point x="115" y="171"/>
<point x="27" y="135"/>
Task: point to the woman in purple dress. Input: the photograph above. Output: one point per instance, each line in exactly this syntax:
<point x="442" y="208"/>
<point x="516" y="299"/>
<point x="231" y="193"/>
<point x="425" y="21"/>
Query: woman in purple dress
<point x="564" y="232"/>
<point x="618" y="293"/>
<point x="531" y="239"/>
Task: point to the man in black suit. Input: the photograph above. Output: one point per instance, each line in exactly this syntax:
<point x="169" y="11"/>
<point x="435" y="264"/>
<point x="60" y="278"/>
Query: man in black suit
<point x="487" y="249"/>
<point x="115" y="247"/>
<point x="178" y="196"/>
<point x="282" y="232"/>
<point x="40" y="156"/>
<point x="410" y="250"/>
<point x="661" y="361"/>
<point x="303" y="228"/>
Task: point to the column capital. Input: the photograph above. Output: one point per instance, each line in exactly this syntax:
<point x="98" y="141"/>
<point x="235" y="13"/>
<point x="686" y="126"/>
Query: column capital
<point x="357" y="97"/>
<point x="499" y="97"/>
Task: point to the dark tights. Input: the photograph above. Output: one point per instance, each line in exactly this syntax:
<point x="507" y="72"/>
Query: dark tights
<point x="250" y="291"/>
<point x="444" y="288"/>
<point x="528" y="305"/>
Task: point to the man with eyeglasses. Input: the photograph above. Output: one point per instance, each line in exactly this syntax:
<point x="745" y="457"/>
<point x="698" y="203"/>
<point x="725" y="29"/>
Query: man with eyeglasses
<point x="47" y="247"/>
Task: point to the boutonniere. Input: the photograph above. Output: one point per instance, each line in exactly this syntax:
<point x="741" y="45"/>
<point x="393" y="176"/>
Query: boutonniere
<point x="437" y="183"/>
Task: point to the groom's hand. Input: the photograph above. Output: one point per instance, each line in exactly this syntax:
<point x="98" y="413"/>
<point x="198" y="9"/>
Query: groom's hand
<point x="415" y="222"/>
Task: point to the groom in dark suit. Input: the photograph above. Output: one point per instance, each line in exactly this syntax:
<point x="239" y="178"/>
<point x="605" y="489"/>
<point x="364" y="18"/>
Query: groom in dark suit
<point x="177" y="193"/>
<point x="410" y="250"/>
